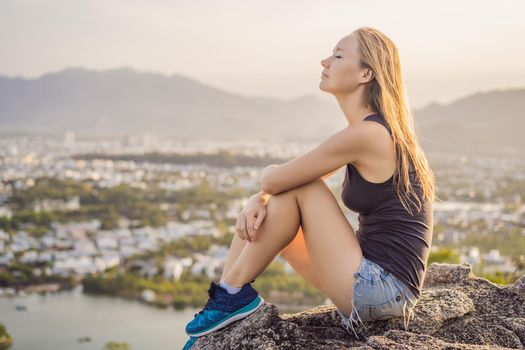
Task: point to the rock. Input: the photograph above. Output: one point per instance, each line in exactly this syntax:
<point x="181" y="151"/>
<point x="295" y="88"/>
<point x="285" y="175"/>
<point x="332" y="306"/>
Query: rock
<point x="518" y="287"/>
<point x="456" y="310"/>
<point x="447" y="274"/>
<point x="441" y="305"/>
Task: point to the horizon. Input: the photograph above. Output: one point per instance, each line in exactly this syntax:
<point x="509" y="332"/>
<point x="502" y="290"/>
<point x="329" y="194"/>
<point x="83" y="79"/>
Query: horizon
<point x="271" y="49"/>
<point x="309" y="94"/>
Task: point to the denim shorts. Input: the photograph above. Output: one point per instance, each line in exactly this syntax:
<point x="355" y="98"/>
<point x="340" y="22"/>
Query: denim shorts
<point x="378" y="295"/>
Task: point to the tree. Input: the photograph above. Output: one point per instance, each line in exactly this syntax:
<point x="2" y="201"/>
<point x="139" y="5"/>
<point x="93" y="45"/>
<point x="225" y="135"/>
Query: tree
<point x="5" y="338"/>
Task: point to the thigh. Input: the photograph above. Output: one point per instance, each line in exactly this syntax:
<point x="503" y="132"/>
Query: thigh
<point x="296" y="254"/>
<point x="332" y="245"/>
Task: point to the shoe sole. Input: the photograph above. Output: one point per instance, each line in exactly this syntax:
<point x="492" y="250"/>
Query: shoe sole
<point x="253" y="306"/>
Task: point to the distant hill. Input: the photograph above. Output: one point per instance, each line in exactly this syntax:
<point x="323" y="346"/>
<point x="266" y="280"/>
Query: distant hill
<point x="121" y="101"/>
<point x="124" y="100"/>
<point x="492" y="121"/>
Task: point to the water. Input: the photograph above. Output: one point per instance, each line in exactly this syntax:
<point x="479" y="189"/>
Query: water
<point x="54" y="321"/>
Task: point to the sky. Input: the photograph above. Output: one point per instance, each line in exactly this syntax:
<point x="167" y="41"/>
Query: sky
<point x="448" y="49"/>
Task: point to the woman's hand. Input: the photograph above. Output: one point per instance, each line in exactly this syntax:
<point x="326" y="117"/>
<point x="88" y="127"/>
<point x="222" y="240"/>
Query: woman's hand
<point x="252" y="216"/>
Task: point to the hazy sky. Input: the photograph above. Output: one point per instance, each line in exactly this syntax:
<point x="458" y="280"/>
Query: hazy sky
<point x="449" y="49"/>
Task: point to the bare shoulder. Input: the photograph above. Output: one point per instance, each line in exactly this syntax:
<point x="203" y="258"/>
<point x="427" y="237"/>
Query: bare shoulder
<point x="343" y="147"/>
<point x="378" y="161"/>
<point x="374" y="138"/>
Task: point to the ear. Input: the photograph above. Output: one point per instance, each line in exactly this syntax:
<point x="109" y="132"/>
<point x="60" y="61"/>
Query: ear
<point x="368" y="75"/>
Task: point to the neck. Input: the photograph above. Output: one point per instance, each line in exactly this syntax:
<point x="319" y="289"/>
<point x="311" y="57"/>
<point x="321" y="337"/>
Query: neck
<point x="353" y="108"/>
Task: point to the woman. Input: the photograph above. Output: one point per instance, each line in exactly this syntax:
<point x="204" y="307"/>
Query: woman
<point x="377" y="273"/>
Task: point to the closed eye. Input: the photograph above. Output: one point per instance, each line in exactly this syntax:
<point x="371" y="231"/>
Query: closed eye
<point x="338" y="56"/>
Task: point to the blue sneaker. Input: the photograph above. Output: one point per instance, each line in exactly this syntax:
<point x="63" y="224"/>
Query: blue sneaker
<point x="189" y="343"/>
<point x="223" y="308"/>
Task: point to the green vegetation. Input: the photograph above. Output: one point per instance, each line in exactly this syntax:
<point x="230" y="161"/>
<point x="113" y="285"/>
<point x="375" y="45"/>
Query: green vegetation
<point x="499" y="277"/>
<point x="505" y="186"/>
<point x="106" y="204"/>
<point x="109" y="204"/>
<point x="18" y="274"/>
<point x="223" y="158"/>
<point x="111" y="345"/>
<point x="191" y="290"/>
<point x="444" y="255"/>
<point x="49" y="188"/>
<point x="31" y="221"/>
<point x="188" y="245"/>
<point x="509" y="242"/>
<point x="5" y="339"/>
<point x="504" y="278"/>
<point x="143" y="207"/>
<point x="451" y="256"/>
<point x="187" y="291"/>
<point x="297" y="290"/>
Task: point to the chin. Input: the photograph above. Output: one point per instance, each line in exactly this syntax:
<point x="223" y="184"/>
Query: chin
<point x="322" y="88"/>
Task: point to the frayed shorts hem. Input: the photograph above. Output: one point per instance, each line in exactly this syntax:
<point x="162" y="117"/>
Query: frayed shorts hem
<point x="377" y="295"/>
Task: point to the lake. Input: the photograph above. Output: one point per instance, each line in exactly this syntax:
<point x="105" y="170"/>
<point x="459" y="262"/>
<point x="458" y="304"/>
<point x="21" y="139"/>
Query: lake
<point x="54" y="321"/>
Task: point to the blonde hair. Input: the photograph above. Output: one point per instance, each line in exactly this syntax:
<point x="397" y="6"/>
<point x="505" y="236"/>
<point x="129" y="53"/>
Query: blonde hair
<point x="386" y="95"/>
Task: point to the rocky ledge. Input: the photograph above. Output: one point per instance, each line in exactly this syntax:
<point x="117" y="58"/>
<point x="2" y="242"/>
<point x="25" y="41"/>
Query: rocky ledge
<point x="457" y="310"/>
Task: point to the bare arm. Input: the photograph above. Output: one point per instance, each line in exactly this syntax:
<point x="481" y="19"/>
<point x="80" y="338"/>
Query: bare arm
<point x="341" y="148"/>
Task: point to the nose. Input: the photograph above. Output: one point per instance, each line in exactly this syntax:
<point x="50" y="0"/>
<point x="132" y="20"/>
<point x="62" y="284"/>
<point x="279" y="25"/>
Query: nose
<point x="323" y="62"/>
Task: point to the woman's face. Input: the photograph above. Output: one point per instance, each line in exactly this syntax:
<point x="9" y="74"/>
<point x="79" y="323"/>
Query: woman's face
<point x="342" y="73"/>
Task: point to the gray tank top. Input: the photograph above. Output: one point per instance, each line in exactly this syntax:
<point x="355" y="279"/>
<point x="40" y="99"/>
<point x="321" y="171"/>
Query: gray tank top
<point x="388" y="234"/>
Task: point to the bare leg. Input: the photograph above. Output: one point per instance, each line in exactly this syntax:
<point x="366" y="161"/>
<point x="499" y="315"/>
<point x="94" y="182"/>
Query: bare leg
<point x="295" y="253"/>
<point x="276" y="231"/>
<point x="334" y="253"/>
<point x="236" y="248"/>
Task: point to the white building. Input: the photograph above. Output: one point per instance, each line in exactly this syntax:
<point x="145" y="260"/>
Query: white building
<point x="473" y="257"/>
<point x="106" y="241"/>
<point x="493" y="261"/>
<point x="73" y="265"/>
<point x="207" y="265"/>
<point x="148" y="295"/>
<point x="29" y="257"/>
<point x="5" y="212"/>
<point x="173" y="267"/>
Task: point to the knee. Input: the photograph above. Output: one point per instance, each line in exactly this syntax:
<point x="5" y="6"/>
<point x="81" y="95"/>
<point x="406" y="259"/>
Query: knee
<point x="285" y="195"/>
<point x="296" y="192"/>
<point x="315" y="185"/>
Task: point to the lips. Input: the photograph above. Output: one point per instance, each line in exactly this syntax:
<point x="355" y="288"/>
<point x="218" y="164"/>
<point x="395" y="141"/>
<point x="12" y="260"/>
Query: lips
<point x="324" y="75"/>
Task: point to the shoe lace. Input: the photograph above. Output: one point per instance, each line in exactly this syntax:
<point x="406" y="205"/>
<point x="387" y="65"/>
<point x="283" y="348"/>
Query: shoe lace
<point x="210" y="301"/>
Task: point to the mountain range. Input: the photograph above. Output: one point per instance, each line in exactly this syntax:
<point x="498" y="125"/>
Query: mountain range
<point x="120" y="101"/>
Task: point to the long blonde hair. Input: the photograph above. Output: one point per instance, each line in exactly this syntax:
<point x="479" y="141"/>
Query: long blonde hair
<point x="386" y="95"/>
